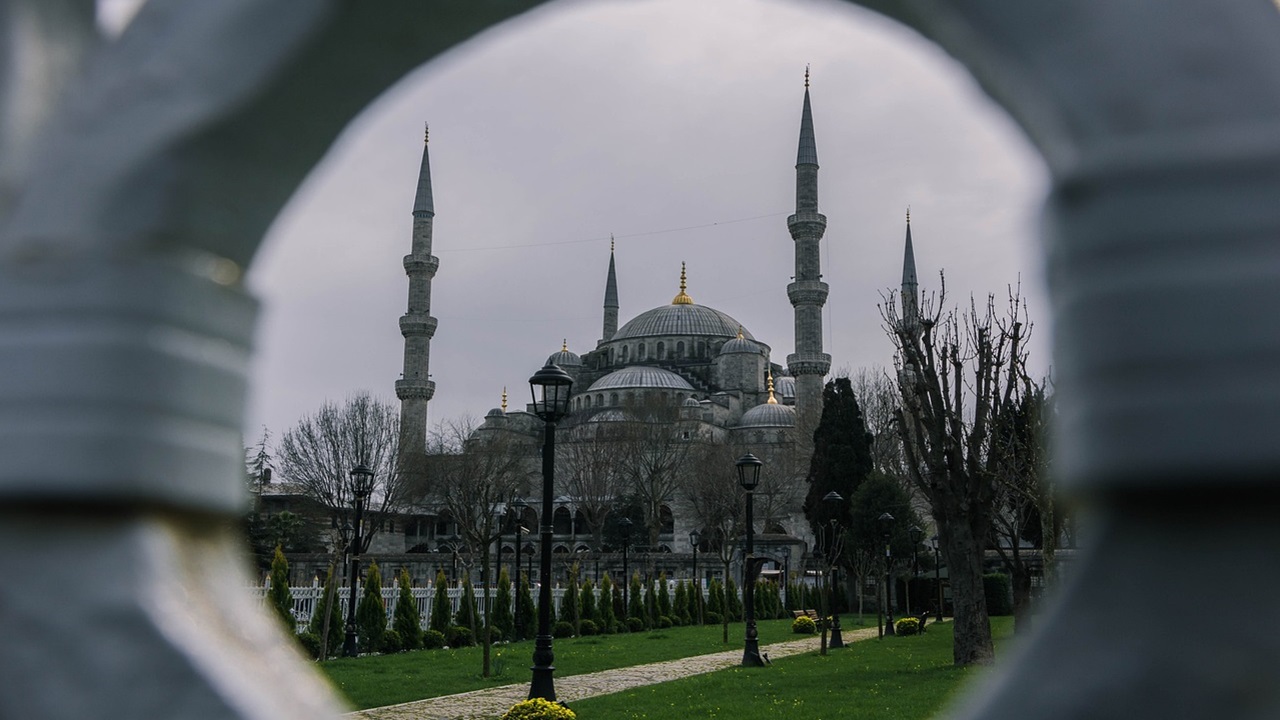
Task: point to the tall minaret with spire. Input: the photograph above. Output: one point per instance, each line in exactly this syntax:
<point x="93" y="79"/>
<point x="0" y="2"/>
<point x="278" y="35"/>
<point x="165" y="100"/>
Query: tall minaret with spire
<point x="417" y="326"/>
<point x="809" y="365"/>
<point x="910" y="288"/>
<point x="610" y="300"/>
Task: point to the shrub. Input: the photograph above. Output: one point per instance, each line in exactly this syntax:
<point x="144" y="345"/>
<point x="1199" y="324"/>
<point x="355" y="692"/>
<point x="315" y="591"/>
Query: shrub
<point x="328" y="606"/>
<point x="433" y="639"/>
<point x="279" y="596"/>
<point x="664" y="596"/>
<point x="804" y="625"/>
<point x="391" y="642"/>
<point x="503" y="621"/>
<point x="569" y="603"/>
<point x="634" y="624"/>
<point x="680" y="605"/>
<point x="371" y="611"/>
<point x="605" y="616"/>
<point x="539" y="709"/>
<point x="713" y="618"/>
<point x="562" y="629"/>
<point x="440" y="612"/>
<point x="310" y="643"/>
<point x="635" y="601"/>
<point x="999" y="592"/>
<point x="405" y="620"/>
<point x="732" y="601"/>
<point x="467" y="613"/>
<point x="528" y="611"/>
<point x="587" y="627"/>
<point x="663" y="622"/>
<point x="587" y="601"/>
<point x="459" y="636"/>
<point x="907" y="626"/>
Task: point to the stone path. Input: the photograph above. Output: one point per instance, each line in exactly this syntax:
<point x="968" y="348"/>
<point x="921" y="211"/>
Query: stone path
<point x="493" y="702"/>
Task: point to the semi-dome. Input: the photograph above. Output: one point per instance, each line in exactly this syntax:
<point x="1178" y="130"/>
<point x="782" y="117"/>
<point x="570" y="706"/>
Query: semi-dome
<point x="786" y="387"/>
<point x="640" y="377"/>
<point x="691" y="402"/>
<point x="740" y="344"/>
<point x="684" y="319"/>
<point x="768" y="415"/>
<point x="610" y="415"/>
<point x="565" y="358"/>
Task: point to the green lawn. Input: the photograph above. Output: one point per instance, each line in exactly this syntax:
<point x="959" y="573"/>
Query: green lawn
<point x="389" y="679"/>
<point x="898" y="678"/>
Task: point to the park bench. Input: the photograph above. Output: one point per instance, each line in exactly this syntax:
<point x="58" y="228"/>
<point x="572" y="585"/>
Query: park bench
<point x="795" y="614"/>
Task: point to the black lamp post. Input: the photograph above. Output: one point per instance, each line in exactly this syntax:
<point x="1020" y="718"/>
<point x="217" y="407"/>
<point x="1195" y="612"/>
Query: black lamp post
<point x="550" y="388"/>
<point x="695" y="538"/>
<point x="361" y="487"/>
<point x="625" y="525"/>
<point x="886" y="531"/>
<point x="834" y="549"/>
<point x="749" y="478"/>
<point x="937" y="572"/>
<point x="519" y="507"/>
<point x="915" y="533"/>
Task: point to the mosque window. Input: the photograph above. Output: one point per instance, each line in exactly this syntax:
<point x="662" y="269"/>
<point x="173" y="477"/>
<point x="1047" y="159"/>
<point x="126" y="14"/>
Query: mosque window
<point x="613" y="399"/>
<point x="679" y="349"/>
<point x="702" y="349"/>
<point x="600" y="400"/>
<point x="625" y="353"/>
<point x="640" y="351"/>
<point x="662" y="350"/>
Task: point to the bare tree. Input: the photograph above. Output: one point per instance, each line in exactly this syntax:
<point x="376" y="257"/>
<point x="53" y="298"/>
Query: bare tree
<point x="958" y="375"/>
<point x="653" y="450"/>
<point x="474" y="476"/>
<point x="588" y="473"/>
<point x="715" y="499"/>
<point x="878" y="396"/>
<point x="318" y="453"/>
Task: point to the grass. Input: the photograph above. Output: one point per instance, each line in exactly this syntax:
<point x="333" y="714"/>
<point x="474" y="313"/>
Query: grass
<point x="389" y="679"/>
<point x="898" y="678"/>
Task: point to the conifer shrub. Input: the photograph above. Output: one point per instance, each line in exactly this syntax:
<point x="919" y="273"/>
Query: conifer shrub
<point x="650" y="605"/>
<point x="569" y="603"/>
<point x="999" y="592"/>
<point x="680" y="605"/>
<point x="459" y="636"/>
<point x="405" y="620"/>
<point x="562" y="629"/>
<point x="604" y="609"/>
<point x="279" y="596"/>
<point x="503" y="621"/>
<point x="588" y="627"/>
<point x="732" y="602"/>
<point x="310" y="643"/>
<point x="371" y="611"/>
<point x="635" y="603"/>
<point x="587" y="609"/>
<point x="329" y="606"/>
<point x="441" y="612"/>
<point x="715" y="603"/>
<point x="664" y="596"/>
<point x="467" y="614"/>
<point x="539" y="709"/>
<point x="528" y="617"/>
<point x="433" y="639"/>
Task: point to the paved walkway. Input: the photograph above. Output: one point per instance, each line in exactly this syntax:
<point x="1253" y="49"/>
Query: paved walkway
<point x="493" y="702"/>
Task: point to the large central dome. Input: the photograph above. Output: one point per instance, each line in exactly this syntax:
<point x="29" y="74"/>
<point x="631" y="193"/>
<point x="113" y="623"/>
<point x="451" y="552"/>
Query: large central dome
<point x="684" y="319"/>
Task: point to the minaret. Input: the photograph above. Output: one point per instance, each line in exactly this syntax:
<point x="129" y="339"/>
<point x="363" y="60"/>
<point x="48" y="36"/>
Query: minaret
<point x="809" y="365"/>
<point x="417" y="326"/>
<point x="910" y="288"/>
<point x="610" y="300"/>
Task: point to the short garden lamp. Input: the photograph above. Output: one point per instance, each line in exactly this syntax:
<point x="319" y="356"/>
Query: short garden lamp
<point x="885" y="521"/>
<point x="915" y="533"/>
<point x="695" y="539"/>
<point x="832" y="501"/>
<point x="749" y="479"/>
<point x="625" y="526"/>
<point x="361" y="488"/>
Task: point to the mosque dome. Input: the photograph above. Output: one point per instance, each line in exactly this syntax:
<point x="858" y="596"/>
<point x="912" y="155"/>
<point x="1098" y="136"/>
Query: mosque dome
<point x="640" y="377"/>
<point x="682" y="317"/>
<point x="495" y="413"/>
<point x="768" y="415"/>
<point x="740" y="344"/>
<point x="786" y="387"/>
<point x="565" y="358"/>
<point x="691" y="402"/>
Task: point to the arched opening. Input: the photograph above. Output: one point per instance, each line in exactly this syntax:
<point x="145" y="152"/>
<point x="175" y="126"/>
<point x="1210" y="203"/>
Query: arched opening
<point x="562" y="521"/>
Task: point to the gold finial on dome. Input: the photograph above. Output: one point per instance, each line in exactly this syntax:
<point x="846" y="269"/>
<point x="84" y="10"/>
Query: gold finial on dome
<point x="504" y="399"/>
<point x="740" y="335"/>
<point x="772" y="399"/>
<point x="683" y="298"/>
<point x="564" y="345"/>
<point x="611" y="244"/>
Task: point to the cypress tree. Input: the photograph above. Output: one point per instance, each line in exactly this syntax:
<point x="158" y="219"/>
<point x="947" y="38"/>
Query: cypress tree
<point x="650" y="605"/>
<point x="569" y="603"/>
<point x="842" y="457"/>
<point x="587" y="602"/>
<point x="406" y="620"/>
<point x="441" y="608"/>
<point x="371" y="612"/>
<point x="279" y="596"/>
<point x="502" y="618"/>
<point x="330" y="607"/>
<point x="605" y="616"/>
<point x="715" y="603"/>
<point x="619" y="604"/>
<point x="664" y="597"/>
<point x="732" y="603"/>
<point x="680" y="606"/>
<point x="467" y="614"/>
<point x="528" y="620"/>
<point x="635" y="603"/>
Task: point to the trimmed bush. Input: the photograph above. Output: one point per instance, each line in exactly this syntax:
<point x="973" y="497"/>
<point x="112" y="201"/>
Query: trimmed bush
<point x="405" y="620"/>
<point x="651" y="605"/>
<point x="604" y="608"/>
<point x="440" y="612"/>
<point x="732" y="601"/>
<point x="714" y="618"/>
<point x="310" y="643"/>
<point x="503" y="621"/>
<point x="587" y="627"/>
<point x="391" y="642"/>
<point x="539" y="709"/>
<point x="279" y="596"/>
<point x="715" y="602"/>
<point x="634" y="624"/>
<point x="907" y="626"/>
<point x="804" y="625"/>
<point x="528" y="611"/>
<point x="999" y="592"/>
<point x="331" y="608"/>
<point x="371" y="611"/>
<point x="459" y="636"/>
<point x="562" y="629"/>
<point x="635" y="601"/>
<point x="664" y="596"/>
<point x="467" y="613"/>
<point x="569" y="603"/>
<point x="663" y="622"/>
<point x="587" y="601"/>
<point x="433" y="639"/>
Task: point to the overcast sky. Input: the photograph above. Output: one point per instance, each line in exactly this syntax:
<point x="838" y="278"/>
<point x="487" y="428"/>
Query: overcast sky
<point x="672" y="125"/>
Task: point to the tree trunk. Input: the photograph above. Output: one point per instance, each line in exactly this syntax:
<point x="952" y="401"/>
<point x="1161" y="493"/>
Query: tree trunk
<point x="972" y="628"/>
<point x="725" y="614"/>
<point x="1021" y="581"/>
<point x="488" y="610"/>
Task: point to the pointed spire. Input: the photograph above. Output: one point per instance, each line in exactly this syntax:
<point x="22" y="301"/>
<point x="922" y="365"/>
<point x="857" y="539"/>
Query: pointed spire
<point x="772" y="400"/>
<point x="504" y="399"/>
<point x="610" y="325"/>
<point x="682" y="298"/>
<point x="564" y="345"/>
<point x="424" y="203"/>
<point x="808" y="153"/>
<point x="909" y="259"/>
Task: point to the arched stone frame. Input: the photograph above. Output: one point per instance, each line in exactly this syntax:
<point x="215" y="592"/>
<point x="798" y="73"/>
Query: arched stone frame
<point x="1163" y="160"/>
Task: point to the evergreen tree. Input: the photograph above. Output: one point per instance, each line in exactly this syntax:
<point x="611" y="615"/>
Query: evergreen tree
<point x="732" y="602"/>
<point x="619" y="601"/>
<point x="605" y="616"/>
<point x="528" y="618"/>
<point x="569" y="603"/>
<point x="587" y="602"/>
<point x="650" y="605"/>
<point x="502" y="618"/>
<point x="680" y="605"/>
<point x="635" y="603"/>
<point x="715" y="601"/>
<point x="441" y="608"/>
<point x="371" y="611"/>
<point x="842" y="457"/>
<point x="279" y="596"/>
<point x="329" y="606"/>
<point x="406" y="619"/>
<point x="467" y="614"/>
<point x="664" y="597"/>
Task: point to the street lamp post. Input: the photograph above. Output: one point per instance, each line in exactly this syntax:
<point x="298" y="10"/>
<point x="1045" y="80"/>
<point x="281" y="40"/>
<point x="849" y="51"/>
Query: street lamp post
<point x="886" y="531"/>
<point x="519" y="507"/>
<point x="749" y="477"/>
<point x="361" y="487"/>
<point x="915" y="533"/>
<point x="550" y="388"/>
<point x="695" y="538"/>
<point x="834" y="549"/>
<point x="625" y="525"/>
<point x="786" y="576"/>
<point x="937" y="572"/>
